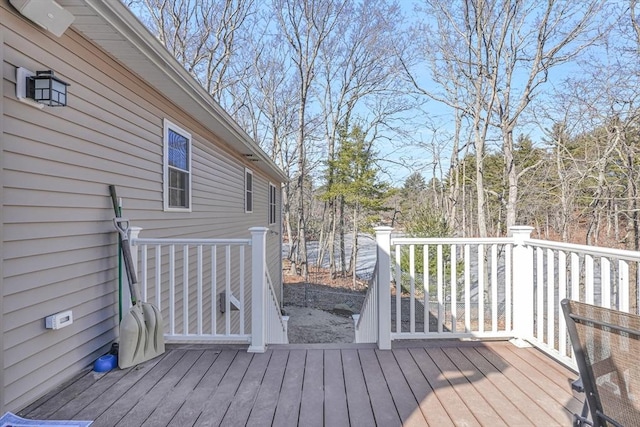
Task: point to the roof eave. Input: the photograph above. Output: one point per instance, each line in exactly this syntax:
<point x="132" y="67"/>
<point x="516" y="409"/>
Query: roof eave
<point x="167" y="74"/>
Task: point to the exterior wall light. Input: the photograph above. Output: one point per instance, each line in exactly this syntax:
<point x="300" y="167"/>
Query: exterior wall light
<point x="41" y="88"/>
<point x="47" y="89"/>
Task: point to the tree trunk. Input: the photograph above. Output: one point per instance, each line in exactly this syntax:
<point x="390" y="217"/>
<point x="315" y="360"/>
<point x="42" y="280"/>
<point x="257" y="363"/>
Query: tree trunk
<point x="343" y="266"/>
<point x="354" y="246"/>
<point x="512" y="181"/>
<point x="302" y="226"/>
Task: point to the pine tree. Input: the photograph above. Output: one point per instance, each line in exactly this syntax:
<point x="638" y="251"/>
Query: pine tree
<point x="355" y="183"/>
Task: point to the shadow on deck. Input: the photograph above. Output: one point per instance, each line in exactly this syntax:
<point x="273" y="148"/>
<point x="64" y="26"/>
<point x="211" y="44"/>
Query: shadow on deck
<point x="435" y="383"/>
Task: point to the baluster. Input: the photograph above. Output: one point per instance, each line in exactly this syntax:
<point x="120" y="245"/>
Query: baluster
<point x="214" y="289"/>
<point x="540" y="295"/>
<point x="440" y="290"/>
<point x="494" y="287"/>
<point x="480" y="288"/>
<point x="623" y="285"/>
<point x="551" y="307"/>
<point x="562" y="294"/>
<point x="588" y="279"/>
<point x="227" y="290"/>
<point x="508" y="302"/>
<point x="185" y="289"/>
<point x="454" y="290"/>
<point x="398" y="289"/>
<point x="242" y="274"/>
<point x="412" y="288"/>
<point x="199" y="272"/>
<point x="144" y="275"/>
<point x="575" y="276"/>
<point x="158" y="283"/>
<point x="467" y="288"/>
<point x="425" y="279"/>
<point x="172" y="289"/>
<point x="605" y="282"/>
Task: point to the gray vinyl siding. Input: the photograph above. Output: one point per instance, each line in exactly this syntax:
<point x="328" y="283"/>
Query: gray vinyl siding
<point x="2" y="382"/>
<point x="58" y="246"/>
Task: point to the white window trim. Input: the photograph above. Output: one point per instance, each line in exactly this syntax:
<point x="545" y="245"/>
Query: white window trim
<point x="273" y="188"/>
<point x="248" y="171"/>
<point x="165" y="141"/>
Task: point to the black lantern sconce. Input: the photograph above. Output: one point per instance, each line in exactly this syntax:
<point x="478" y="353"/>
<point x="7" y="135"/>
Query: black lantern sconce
<point x="47" y="89"/>
<point x="42" y="88"/>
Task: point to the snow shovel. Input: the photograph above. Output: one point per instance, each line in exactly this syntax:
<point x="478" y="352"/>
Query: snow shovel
<point x="141" y="335"/>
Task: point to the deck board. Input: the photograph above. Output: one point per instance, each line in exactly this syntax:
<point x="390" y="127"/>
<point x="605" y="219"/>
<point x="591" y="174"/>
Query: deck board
<point x="264" y="406"/>
<point x="484" y="385"/>
<point x="484" y="413"/>
<point x="288" y="407"/>
<point x="553" y="385"/>
<point x="185" y="413"/>
<point x="403" y="398"/>
<point x="415" y="384"/>
<point x="422" y="391"/>
<point x="311" y="405"/>
<point x="97" y="399"/>
<point x="358" y="403"/>
<point x="166" y="398"/>
<point x="453" y="404"/>
<point x="336" y="412"/>
<point x="219" y="402"/>
<point x="243" y="400"/>
<point x="384" y="410"/>
<point x="532" y="384"/>
<point x="510" y="391"/>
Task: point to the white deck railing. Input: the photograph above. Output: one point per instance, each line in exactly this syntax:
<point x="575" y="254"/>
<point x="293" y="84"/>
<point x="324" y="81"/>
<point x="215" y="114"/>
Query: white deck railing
<point x="490" y="288"/>
<point x="595" y="275"/>
<point x="464" y="292"/>
<point x="204" y="289"/>
<point x="276" y="323"/>
<point x="366" y="323"/>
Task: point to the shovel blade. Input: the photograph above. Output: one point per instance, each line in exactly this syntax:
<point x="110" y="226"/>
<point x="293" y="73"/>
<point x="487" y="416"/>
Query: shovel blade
<point x="141" y="336"/>
<point x="155" y="334"/>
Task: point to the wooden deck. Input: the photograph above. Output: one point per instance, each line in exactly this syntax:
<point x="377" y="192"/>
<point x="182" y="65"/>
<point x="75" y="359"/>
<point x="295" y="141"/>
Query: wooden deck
<point x="415" y="384"/>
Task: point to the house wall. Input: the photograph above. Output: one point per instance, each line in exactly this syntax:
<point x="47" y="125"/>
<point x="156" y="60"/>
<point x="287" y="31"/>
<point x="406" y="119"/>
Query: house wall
<point x="1" y="228"/>
<point x="58" y="246"/>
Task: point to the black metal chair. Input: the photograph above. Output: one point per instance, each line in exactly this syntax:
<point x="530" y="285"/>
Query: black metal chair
<point x="606" y="344"/>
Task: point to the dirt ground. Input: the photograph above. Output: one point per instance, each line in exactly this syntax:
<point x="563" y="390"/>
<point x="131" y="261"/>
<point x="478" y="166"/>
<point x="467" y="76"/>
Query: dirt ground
<point x="320" y="307"/>
<point x="311" y="325"/>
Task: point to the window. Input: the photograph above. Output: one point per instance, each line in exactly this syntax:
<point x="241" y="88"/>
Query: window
<point x="177" y="168"/>
<point x="272" y="204"/>
<point x="248" y="191"/>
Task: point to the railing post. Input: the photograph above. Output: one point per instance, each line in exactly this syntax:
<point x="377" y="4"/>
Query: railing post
<point x="285" y="321"/>
<point x="134" y="232"/>
<point x="522" y="270"/>
<point x="258" y="289"/>
<point x="356" y="335"/>
<point x="383" y="243"/>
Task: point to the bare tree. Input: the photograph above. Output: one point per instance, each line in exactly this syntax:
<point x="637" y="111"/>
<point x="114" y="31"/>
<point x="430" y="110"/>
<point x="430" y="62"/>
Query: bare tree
<point x="205" y="36"/>
<point x="269" y="108"/>
<point x="455" y="49"/>
<point x="533" y="40"/>
<point x="357" y="67"/>
<point x="306" y="26"/>
<point x="489" y="60"/>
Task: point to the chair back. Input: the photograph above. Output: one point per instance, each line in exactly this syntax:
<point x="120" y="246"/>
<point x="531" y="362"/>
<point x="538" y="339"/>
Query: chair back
<point x="606" y="344"/>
